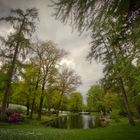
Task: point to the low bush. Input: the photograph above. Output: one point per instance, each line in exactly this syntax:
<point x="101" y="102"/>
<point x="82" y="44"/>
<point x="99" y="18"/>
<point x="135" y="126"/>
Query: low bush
<point x="14" y="117"/>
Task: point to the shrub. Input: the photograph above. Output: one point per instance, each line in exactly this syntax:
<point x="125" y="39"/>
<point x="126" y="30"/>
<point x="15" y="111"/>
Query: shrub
<point x="15" y="117"/>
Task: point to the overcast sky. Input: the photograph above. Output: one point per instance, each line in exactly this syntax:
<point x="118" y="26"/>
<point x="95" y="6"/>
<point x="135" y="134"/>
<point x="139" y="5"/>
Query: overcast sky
<point x="62" y="35"/>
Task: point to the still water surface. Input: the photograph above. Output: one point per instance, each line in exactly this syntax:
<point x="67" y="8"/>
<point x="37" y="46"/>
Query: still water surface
<point x="83" y="121"/>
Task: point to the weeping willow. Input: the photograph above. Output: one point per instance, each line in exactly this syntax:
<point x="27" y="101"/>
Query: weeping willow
<point x="84" y="14"/>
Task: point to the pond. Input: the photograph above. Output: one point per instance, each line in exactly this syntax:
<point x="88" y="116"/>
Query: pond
<point x="83" y="121"/>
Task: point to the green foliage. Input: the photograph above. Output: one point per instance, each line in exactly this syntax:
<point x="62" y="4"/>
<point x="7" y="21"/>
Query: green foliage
<point x="21" y="93"/>
<point x="2" y="80"/>
<point x="16" y="45"/>
<point x="99" y="100"/>
<point x="111" y="100"/>
<point x="75" y="102"/>
<point x="95" y="98"/>
<point x="64" y="103"/>
<point x="136" y="99"/>
<point x="87" y="14"/>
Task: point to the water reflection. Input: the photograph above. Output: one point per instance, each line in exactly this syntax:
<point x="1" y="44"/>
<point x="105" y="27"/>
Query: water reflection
<point x="84" y="121"/>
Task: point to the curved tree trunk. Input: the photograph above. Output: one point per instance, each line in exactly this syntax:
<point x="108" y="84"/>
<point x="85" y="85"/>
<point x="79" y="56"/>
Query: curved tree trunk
<point x="123" y="92"/>
<point x="122" y="89"/>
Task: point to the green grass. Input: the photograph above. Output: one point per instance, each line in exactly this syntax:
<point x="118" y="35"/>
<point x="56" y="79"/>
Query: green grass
<point x="32" y="130"/>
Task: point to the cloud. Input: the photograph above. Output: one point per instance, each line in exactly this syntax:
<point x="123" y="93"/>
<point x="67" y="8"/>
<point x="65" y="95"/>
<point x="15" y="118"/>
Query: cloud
<point x="62" y="35"/>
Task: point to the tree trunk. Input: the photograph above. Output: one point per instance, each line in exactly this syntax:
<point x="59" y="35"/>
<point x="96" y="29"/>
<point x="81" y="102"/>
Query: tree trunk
<point x="34" y="98"/>
<point x="32" y="107"/>
<point x="9" y="76"/>
<point x="41" y="99"/>
<point x="123" y="92"/>
<point x="8" y="84"/>
<point x="28" y="107"/>
<point x="122" y="89"/>
<point x="40" y="108"/>
<point x="48" y="104"/>
<point x="59" y="105"/>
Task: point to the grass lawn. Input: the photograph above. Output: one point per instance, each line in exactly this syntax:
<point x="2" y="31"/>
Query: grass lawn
<point x="32" y="130"/>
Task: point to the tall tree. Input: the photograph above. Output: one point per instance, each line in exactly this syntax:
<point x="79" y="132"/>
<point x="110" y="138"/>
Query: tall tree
<point x="23" y="24"/>
<point x="48" y="55"/>
<point x="67" y="82"/>
<point x="108" y="49"/>
<point x="37" y="76"/>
